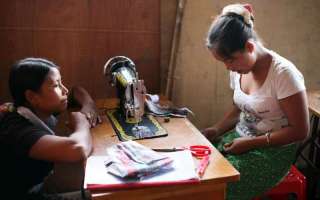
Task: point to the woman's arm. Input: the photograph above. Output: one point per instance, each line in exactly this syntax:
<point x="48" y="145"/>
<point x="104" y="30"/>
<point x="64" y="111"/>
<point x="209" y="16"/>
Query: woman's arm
<point x="227" y="123"/>
<point x="80" y="97"/>
<point x="296" y="109"/>
<point x="76" y="147"/>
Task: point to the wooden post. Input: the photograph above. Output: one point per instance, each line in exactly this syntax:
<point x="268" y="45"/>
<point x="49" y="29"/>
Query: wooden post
<point x="174" y="49"/>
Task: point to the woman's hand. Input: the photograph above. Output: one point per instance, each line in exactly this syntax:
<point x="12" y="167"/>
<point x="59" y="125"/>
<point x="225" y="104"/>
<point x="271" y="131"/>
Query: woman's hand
<point x="239" y="145"/>
<point x="211" y="133"/>
<point x="78" y="121"/>
<point x="6" y="107"/>
<point x="82" y="98"/>
<point x="92" y="114"/>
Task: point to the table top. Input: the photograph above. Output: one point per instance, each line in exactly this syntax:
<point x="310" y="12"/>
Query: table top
<point x="181" y="132"/>
<point x="314" y="101"/>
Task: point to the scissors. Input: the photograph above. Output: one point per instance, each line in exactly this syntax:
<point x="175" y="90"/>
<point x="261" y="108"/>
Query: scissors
<point x="201" y="152"/>
<point x="198" y="151"/>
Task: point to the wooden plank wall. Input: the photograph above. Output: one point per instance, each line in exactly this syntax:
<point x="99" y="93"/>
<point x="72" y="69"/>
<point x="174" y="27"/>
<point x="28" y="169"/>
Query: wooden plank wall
<point x="79" y="36"/>
<point x="168" y="10"/>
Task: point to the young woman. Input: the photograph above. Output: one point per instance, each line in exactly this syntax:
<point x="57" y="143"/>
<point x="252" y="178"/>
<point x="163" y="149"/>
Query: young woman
<point x="269" y="114"/>
<point x="28" y="144"/>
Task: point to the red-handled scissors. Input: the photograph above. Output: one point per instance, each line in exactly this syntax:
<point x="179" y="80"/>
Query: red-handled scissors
<point x="198" y="151"/>
<point x="201" y="152"/>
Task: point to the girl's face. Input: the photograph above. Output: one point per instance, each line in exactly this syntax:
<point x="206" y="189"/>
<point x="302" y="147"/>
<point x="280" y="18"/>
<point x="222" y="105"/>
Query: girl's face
<point x="52" y="96"/>
<point x="240" y="61"/>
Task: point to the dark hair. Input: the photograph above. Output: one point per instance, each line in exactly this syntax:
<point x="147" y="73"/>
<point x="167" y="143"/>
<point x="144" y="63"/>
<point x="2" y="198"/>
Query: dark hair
<point x="228" y="34"/>
<point x="27" y="74"/>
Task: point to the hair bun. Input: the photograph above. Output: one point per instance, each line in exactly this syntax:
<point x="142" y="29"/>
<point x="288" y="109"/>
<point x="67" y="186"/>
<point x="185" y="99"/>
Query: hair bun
<point x="244" y="10"/>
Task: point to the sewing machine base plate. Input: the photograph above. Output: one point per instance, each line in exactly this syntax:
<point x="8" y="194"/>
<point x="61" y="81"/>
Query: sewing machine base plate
<point x="149" y="127"/>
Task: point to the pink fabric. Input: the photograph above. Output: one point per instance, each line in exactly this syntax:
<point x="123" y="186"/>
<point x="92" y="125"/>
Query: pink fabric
<point x="131" y="159"/>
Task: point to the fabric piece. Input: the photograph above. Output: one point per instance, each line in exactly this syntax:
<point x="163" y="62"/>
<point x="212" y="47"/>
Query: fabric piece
<point x="260" y="169"/>
<point x="154" y="108"/>
<point x="133" y="160"/>
<point x="261" y="111"/>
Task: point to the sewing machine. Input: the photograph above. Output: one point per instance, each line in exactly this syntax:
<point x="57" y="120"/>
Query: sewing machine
<point x="130" y="90"/>
<point x="130" y="120"/>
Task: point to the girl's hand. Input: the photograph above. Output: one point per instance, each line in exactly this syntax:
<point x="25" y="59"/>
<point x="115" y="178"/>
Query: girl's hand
<point x="77" y="121"/>
<point x="238" y="145"/>
<point x="92" y="114"/>
<point x="210" y="133"/>
<point x="6" y="107"/>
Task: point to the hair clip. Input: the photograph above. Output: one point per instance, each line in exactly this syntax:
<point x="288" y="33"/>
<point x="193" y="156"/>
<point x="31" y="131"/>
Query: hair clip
<point x="248" y="7"/>
<point x="244" y="10"/>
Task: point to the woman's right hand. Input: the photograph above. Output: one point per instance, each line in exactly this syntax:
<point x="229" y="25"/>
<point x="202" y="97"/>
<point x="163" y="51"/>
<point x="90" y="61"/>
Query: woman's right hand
<point x="78" y="120"/>
<point x="6" y="107"/>
<point x="211" y="133"/>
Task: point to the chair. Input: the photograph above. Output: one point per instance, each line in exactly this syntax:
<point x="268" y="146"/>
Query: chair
<point x="308" y="154"/>
<point x="293" y="184"/>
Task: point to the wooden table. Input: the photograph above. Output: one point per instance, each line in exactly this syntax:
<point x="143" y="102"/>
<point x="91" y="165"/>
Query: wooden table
<point x="180" y="133"/>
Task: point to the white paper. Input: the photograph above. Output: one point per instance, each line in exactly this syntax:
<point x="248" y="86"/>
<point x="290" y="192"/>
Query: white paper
<point x="183" y="170"/>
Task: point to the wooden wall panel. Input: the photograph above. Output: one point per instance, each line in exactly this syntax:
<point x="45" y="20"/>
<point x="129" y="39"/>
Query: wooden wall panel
<point x="16" y="14"/>
<point x="69" y="15"/>
<point x="80" y="36"/>
<point x="168" y="10"/>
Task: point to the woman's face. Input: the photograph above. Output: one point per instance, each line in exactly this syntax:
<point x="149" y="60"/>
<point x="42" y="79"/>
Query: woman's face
<point x="53" y="95"/>
<point x="240" y="61"/>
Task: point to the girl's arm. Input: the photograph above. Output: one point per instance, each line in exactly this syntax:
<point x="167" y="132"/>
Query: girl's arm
<point x="227" y="123"/>
<point x="76" y="147"/>
<point x="80" y="97"/>
<point x="296" y="109"/>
